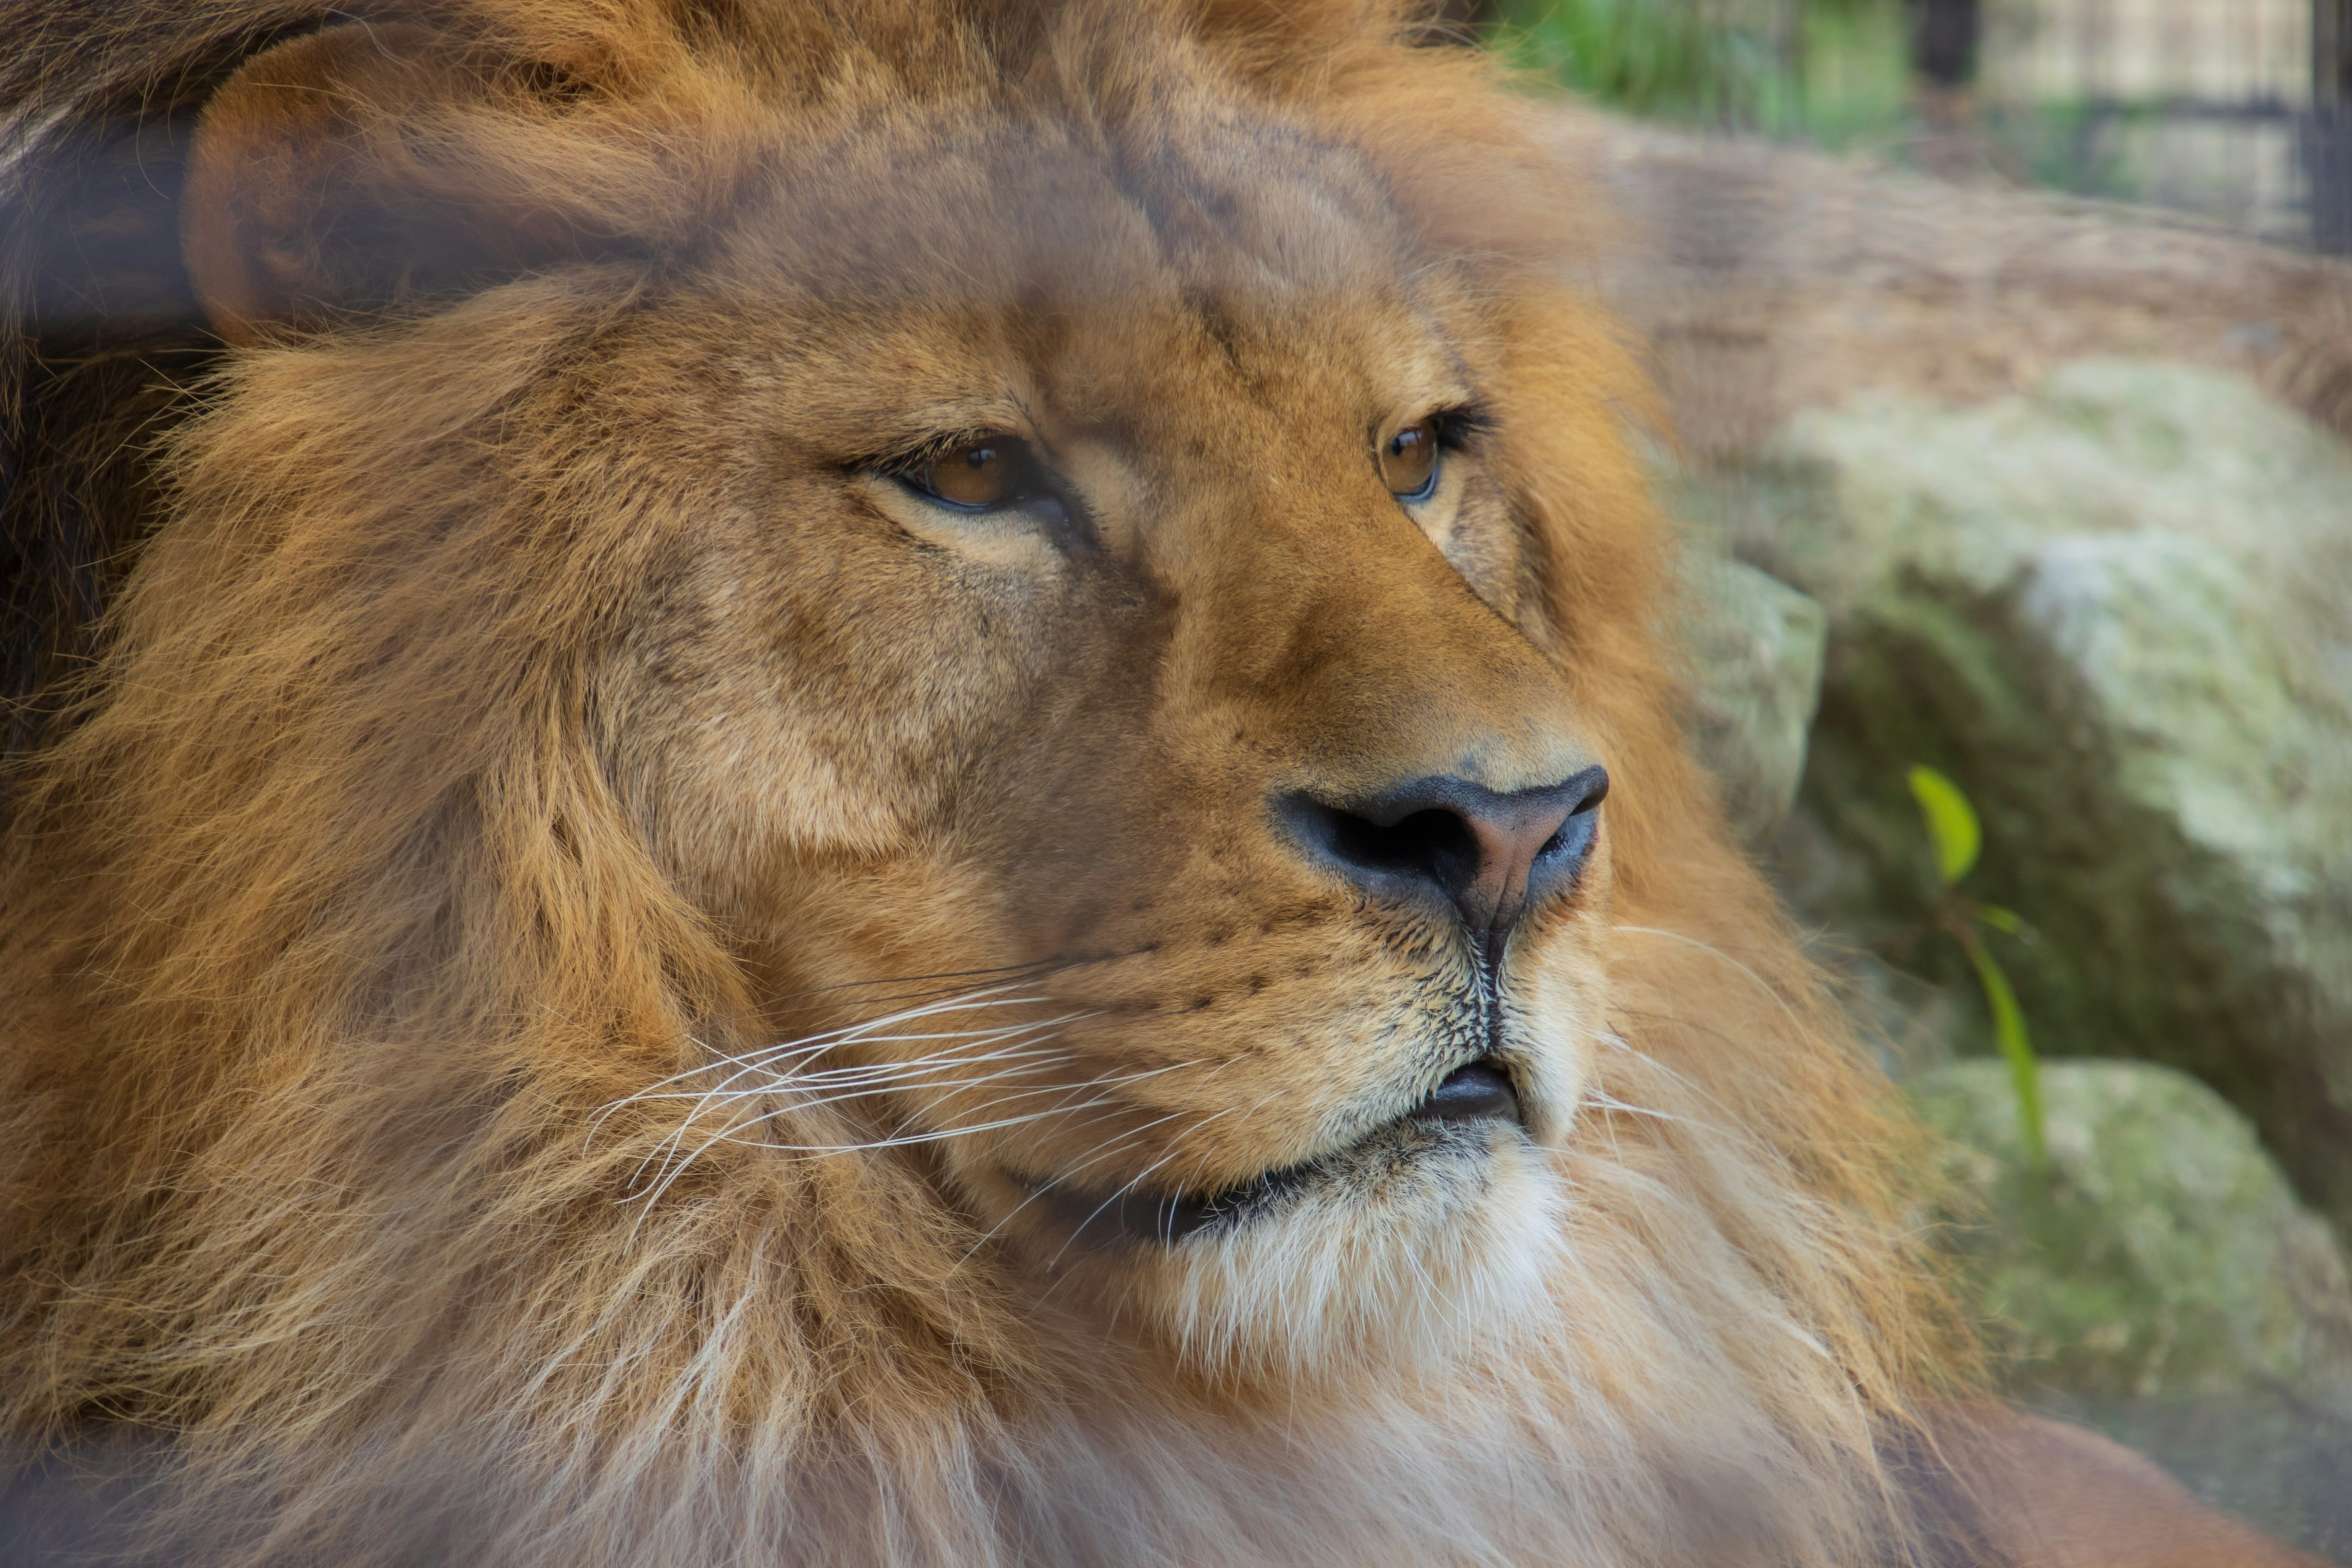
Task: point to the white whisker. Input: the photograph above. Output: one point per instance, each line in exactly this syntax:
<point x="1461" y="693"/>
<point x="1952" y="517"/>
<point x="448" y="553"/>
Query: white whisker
<point x="1708" y="947"/>
<point x="762" y="1063"/>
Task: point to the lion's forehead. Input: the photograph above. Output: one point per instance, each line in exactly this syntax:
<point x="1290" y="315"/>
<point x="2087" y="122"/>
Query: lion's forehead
<point x="1257" y="223"/>
<point x="1076" y="304"/>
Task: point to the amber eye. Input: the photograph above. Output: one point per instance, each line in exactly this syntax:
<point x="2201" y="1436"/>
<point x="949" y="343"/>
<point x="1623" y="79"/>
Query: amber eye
<point x="982" y="473"/>
<point x="1409" y="460"/>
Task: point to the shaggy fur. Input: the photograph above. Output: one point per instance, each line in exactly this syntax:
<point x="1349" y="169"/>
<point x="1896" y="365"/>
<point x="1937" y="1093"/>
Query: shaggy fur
<point x="576" y="952"/>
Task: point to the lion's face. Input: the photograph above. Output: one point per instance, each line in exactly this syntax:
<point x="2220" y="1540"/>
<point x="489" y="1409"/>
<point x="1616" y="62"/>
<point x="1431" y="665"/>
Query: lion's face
<point x="1096" y="683"/>
<point x="848" y="805"/>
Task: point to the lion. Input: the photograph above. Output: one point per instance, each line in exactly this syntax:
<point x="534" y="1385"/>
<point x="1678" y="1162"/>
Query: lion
<point x="892" y="781"/>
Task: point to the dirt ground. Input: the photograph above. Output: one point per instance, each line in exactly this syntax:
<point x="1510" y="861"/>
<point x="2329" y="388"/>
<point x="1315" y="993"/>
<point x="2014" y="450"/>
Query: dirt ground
<point x="1769" y="279"/>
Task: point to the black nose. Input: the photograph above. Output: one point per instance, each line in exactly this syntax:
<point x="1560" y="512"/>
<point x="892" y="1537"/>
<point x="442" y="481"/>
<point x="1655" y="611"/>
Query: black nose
<point x="1492" y="857"/>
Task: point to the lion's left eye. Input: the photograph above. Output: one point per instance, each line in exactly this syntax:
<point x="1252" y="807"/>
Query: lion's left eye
<point x="983" y="473"/>
<point x="1409" y="461"/>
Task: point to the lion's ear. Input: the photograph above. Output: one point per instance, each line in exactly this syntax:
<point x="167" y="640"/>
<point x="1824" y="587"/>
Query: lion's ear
<point x="363" y="165"/>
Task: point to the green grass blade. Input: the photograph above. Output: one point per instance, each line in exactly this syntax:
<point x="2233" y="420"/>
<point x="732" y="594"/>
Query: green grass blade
<point x="2001" y="919"/>
<point x="1951" y="822"/>
<point x="2009" y="1031"/>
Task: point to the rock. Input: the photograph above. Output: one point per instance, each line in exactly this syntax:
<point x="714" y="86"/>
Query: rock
<point x="2118" y="612"/>
<point x="2160" y="1284"/>
<point x="2163" y="1253"/>
<point x="1755" y="648"/>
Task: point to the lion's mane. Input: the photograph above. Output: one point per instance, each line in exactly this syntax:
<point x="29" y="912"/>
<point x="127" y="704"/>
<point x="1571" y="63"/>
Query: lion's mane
<point x="328" y="941"/>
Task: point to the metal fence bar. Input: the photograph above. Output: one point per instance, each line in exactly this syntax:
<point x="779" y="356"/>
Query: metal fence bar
<point x="2331" y="53"/>
<point x="1945" y="35"/>
<point x="2328" y="136"/>
<point x="2327" y="158"/>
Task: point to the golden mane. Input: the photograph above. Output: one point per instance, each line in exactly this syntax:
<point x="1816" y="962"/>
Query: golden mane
<point x="341" y="954"/>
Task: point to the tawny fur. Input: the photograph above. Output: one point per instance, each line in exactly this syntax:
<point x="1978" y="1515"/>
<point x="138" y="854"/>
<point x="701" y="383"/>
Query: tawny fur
<point x="489" y="748"/>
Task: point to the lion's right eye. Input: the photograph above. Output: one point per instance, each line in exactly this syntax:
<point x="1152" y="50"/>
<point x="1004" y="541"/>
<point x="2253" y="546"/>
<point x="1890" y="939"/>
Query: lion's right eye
<point x="982" y="473"/>
<point x="999" y="478"/>
<point x="1409" y="461"/>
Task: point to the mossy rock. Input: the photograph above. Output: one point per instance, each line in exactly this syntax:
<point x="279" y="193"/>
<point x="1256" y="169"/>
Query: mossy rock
<point x="2158" y="1281"/>
<point x="2161" y="1252"/>
<point x="1754" y="649"/>
<point x="2118" y="612"/>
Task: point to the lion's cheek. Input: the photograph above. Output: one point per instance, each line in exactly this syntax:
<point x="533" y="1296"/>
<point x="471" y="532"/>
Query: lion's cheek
<point x="755" y="727"/>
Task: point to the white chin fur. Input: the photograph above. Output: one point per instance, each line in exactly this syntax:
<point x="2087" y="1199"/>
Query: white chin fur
<point x="1390" y="1269"/>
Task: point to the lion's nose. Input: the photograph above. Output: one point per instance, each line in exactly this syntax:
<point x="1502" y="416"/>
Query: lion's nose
<point x="1491" y="856"/>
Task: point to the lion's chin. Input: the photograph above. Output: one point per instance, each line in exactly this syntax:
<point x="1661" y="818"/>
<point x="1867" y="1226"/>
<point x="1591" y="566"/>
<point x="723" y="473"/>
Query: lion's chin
<point x="1420" y="1245"/>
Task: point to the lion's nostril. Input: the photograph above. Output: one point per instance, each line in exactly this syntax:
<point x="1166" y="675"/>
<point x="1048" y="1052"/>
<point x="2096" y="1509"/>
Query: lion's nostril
<point x="1492" y="856"/>
<point x="1437" y="845"/>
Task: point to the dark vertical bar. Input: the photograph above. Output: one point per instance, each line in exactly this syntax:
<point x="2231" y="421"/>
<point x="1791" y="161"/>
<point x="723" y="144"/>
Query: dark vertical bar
<point x="2331" y="52"/>
<point x="1943" y="72"/>
<point x="2328" y="136"/>
<point x="1944" y="35"/>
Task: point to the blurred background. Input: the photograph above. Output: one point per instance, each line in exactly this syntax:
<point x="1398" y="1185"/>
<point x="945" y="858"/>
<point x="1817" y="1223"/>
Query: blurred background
<point x="2007" y="346"/>
<point x="2233" y="111"/>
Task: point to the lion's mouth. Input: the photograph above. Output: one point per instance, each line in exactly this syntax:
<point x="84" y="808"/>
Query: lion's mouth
<point x="1478" y="1092"/>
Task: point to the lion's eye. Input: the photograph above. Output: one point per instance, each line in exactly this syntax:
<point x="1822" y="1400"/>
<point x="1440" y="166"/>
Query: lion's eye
<point x="1004" y="478"/>
<point x="1409" y="460"/>
<point x="986" y="472"/>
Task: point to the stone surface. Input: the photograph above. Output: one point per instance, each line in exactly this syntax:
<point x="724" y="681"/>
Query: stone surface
<point x="1755" y="648"/>
<point x="2159" y="1281"/>
<point x="2118" y="612"/>
<point x="2161" y="1254"/>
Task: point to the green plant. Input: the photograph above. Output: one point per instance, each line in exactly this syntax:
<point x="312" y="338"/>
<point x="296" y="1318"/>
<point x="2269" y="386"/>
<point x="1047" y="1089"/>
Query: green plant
<point x="1668" y="57"/>
<point x="1953" y="829"/>
<point x="1834" y="70"/>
